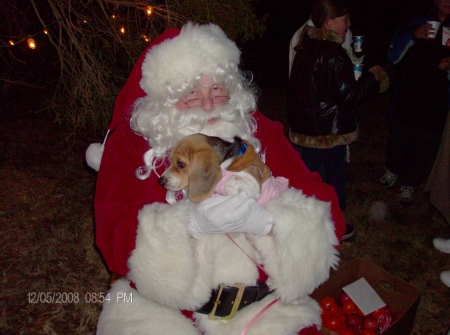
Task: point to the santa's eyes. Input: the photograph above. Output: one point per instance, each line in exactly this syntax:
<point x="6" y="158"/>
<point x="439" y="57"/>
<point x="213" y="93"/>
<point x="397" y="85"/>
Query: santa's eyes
<point x="213" y="91"/>
<point x="216" y="90"/>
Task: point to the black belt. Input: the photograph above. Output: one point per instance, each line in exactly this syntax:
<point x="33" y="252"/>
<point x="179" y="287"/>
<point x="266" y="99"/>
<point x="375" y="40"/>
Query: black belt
<point x="227" y="300"/>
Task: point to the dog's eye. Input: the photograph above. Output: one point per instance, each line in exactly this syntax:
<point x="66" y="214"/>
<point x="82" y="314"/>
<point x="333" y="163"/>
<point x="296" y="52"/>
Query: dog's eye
<point x="180" y="164"/>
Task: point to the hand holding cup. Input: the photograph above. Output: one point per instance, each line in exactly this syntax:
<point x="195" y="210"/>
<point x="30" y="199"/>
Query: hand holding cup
<point x="421" y="31"/>
<point x="427" y="30"/>
<point x="434" y="27"/>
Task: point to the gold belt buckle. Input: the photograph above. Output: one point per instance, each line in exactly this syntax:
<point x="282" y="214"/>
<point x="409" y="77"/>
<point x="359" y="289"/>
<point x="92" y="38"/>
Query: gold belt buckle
<point x="236" y="303"/>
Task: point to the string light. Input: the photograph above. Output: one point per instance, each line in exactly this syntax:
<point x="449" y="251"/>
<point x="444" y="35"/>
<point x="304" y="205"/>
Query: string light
<point x="30" y="39"/>
<point x="31" y="43"/>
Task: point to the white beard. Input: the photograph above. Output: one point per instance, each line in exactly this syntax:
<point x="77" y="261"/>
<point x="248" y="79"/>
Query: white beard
<point x="163" y="126"/>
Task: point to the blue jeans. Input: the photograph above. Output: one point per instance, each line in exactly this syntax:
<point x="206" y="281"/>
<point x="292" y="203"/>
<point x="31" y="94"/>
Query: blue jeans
<point x="330" y="164"/>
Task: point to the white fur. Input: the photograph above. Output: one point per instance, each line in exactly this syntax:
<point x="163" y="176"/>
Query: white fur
<point x="302" y="250"/>
<point x="243" y="181"/>
<point x="198" y="50"/>
<point x="94" y="155"/>
<point x="139" y="316"/>
<point x="173" y="271"/>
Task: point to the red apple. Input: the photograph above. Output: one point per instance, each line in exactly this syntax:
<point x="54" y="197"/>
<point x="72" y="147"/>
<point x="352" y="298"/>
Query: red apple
<point x="359" y="312"/>
<point x="379" y="312"/>
<point x="333" y="323"/>
<point x="324" y="313"/>
<point x="328" y="302"/>
<point x="370" y="323"/>
<point x="343" y="297"/>
<point x="354" y="320"/>
<point x="355" y="330"/>
<point x="367" y="332"/>
<point x="334" y="309"/>
<point x="349" y="307"/>
<point x="342" y="317"/>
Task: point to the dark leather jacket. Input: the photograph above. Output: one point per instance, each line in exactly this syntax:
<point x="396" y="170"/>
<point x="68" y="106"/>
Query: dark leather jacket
<point x="323" y="92"/>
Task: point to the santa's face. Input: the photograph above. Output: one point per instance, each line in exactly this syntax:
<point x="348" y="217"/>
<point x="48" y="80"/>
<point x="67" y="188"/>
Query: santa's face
<point x="206" y="110"/>
<point x="210" y="108"/>
<point x="204" y="98"/>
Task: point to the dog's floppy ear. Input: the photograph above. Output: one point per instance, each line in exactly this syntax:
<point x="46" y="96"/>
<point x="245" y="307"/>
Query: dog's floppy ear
<point x="204" y="175"/>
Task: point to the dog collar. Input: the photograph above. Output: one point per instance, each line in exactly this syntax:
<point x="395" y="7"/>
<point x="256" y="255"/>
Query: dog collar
<point x="242" y="150"/>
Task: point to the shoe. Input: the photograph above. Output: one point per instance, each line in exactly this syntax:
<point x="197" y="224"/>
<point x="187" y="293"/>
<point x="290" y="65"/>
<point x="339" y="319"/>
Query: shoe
<point x="349" y="232"/>
<point x="442" y="244"/>
<point x="388" y="179"/>
<point x="405" y="197"/>
<point x="445" y="278"/>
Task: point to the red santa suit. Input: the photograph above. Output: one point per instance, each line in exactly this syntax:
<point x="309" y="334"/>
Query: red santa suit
<point x="171" y="271"/>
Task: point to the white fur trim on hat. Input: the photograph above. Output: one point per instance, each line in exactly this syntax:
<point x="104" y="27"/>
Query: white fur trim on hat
<point x="175" y="63"/>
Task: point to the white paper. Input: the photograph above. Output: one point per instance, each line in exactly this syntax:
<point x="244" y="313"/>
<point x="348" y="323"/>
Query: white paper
<point x="364" y="296"/>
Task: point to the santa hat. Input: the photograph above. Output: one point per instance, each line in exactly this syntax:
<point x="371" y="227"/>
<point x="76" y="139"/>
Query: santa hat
<point x="175" y="64"/>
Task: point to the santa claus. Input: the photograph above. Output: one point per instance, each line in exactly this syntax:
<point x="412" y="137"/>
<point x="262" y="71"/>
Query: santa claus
<point x="186" y="268"/>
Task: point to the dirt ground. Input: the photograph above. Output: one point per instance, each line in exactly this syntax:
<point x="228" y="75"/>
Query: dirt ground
<point x="52" y="273"/>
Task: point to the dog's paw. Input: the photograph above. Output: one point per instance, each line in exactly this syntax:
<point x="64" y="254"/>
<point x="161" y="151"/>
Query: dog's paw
<point x="242" y="181"/>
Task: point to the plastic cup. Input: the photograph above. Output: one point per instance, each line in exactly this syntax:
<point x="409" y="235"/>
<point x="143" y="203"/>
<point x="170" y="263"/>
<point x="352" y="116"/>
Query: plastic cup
<point x="434" y="28"/>
<point x="358" y="68"/>
<point x="357" y="43"/>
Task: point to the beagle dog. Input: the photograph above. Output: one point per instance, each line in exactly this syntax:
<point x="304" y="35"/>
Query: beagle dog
<point x="196" y="166"/>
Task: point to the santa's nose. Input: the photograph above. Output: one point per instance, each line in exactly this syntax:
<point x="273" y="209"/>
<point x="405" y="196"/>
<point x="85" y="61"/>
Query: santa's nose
<point x="208" y="104"/>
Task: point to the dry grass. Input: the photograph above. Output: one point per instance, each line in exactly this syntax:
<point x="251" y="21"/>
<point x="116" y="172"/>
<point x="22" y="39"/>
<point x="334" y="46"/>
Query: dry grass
<point x="47" y="226"/>
<point x="47" y="230"/>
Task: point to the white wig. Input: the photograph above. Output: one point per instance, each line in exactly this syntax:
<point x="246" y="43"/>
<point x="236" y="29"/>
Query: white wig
<point x="170" y="70"/>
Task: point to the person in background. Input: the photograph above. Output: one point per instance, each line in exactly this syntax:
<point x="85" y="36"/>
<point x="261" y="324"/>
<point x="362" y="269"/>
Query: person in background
<point x="347" y="45"/>
<point x="420" y="104"/>
<point x="323" y="95"/>
<point x="184" y="83"/>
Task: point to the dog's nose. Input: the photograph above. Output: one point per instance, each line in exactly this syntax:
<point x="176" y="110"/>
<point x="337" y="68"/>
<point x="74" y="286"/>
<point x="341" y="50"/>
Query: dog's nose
<point x="162" y="181"/>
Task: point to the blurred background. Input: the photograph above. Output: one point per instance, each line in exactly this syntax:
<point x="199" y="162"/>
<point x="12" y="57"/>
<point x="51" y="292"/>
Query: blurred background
<point x="68" y="59"/>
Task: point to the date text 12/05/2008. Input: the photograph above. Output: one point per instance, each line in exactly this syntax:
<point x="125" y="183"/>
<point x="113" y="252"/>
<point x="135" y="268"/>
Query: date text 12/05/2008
<point x="76" y="297"/>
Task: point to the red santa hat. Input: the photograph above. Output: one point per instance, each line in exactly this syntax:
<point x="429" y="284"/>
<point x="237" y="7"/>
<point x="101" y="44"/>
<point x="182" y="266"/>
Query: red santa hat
<point x="172" y="67"/>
